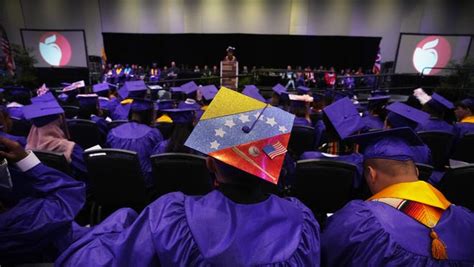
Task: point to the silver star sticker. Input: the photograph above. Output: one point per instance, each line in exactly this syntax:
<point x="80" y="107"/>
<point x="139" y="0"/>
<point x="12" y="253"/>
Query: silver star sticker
<point x="215" y="144"/>
<point x="219" y="132"/>
<point x="271" y="121"/>
<point x="282" y="129"/>
<point x="229" y="123"/>
<point x="258" y="114"/>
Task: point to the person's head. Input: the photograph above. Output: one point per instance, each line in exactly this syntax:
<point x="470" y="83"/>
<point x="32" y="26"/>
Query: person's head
<point x="380" y="173"/>
<point x="206" y="67"/>
<point x="89" y="105"/>
<point x="464" y="108"/>
<point x="229" y="175"/>
<point x="288" y="67"/>
<point x="19" y="95"/>
<point x="142" y="111"/>
<point x="331" y="69"/>
<point x="173" y="64"/>
<point x="179" y="134"/>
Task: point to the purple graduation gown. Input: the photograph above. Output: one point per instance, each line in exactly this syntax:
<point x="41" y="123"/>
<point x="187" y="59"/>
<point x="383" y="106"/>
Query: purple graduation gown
<point x="19" y="139"/>
<point x="139" y="138"/>
<point x="434" y="124"/>
<point x="300" y="121"/>
<point x="160" y="148"/>
<point x="367" y="233"/>
<point x="210" y="230"/>
<point x="101" y="124"/>
<point x="463" y="128"/>
<point x="40" y="224"/>
<point x="120" y="112"/>
<point x="372" y="122"/>
<point x="353" y="158"/>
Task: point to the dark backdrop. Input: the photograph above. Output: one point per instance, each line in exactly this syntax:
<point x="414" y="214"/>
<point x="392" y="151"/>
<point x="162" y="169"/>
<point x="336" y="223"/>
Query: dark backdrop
<point x="275" y="51"/>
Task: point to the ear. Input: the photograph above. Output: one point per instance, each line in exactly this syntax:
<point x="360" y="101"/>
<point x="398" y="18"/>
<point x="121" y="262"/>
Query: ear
<point x="371" y="175"/>
<point x="417" y="172"/>
<point x="211" y="164"/>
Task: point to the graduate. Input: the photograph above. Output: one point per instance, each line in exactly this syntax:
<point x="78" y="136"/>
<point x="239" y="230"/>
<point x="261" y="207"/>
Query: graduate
<point x="299" y="106"/>
<point x="236" y="224"/>
<point x="375" y="117"/>
<point x="89" y="110"/>
<point x="207" y="94"/>
<point x="438" y="107"/>
<point x="37" y="208"/>
<point x="129" y="90"/>
<point x="17" y="97"/>
<point x="5" y="126"/>
<point x="341" y="120"/>
<point x="465" y="114"/>
<point x="118" y="75"/>
<point x="183" y="124"/>
<point x="406" y="222"/>
<point x="70" y="92"/>
<point x="276" y="99"/>
<point x="163" y="104"/>
<point x="137" y="135"/>
<point x="49" y="132"/>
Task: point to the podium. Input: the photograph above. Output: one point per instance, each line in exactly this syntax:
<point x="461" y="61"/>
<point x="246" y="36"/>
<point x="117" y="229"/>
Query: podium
<point x="229" y="72"/>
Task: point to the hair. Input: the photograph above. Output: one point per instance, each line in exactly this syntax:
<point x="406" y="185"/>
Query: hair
<point x="143" y="116"/>
<point x="464" y="105"/>
<point x="234" y="176"/>
<point x="180" y="133"/>
<point x="86" y="111"/>
<point x="392" y="168"/>
<point x="299" y="111"/>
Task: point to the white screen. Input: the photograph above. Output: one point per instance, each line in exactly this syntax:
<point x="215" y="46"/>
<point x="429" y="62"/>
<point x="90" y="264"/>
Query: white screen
<point x="417" y="53"/>
<point x="59" y="49"/>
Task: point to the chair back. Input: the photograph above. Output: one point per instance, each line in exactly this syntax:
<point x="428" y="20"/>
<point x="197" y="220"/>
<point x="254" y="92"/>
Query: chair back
<point x="424" y="171"/>
<point x="301" y="140"/>
<point x="457" y="186"/>
<point x="20" y="127"/>
<point x="463" y="149"/>
<point x="440" y="145"/>
<point x="54" y="160"/>
<point x="70" y="111"/>
<point x="85" y="133"/>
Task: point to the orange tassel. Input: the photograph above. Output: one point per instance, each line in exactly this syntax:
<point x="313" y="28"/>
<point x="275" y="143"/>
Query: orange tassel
<point x="438" y="248"/>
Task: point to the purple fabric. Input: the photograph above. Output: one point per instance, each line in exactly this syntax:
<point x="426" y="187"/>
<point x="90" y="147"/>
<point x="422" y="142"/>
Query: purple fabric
<point x="210" y="230"/>
<point x="463" y="128"/>
<point x="372" y="122"/>
<point x="301" y="122"/>
<point x="40" y="224"/>
<point x="139" y="138"/>
<point x="354" y="158"/>
<point x="16" y="112"/>
<point x="101" y="124"/>
<point x="78" y="165"/>
<point x="19" y="139"/>
<point x="160" y="148"/>
<point x="319" y="132"/>
<point x="120" y="112"/>
<point x="435" y="125"/>
<point x="376" y="234"/>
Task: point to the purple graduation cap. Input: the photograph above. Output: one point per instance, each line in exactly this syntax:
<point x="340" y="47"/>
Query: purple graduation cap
<point x="344" y="117"/>
<point x="279" y="89"/>
<point x="87" y="100"/>
<point x="189" y="103"/>
<point x="164" y="104"/>
<point x="208" y="92"/>
<point x="136" y="88"/>
<point x="253" y="92"/>
<point x="440" y="103"/>
<point x="103" y="103"/>
<point x="140" y="104"/>
<point x="402" y="115"/>
<point x="47" y="97"/>
<point x="394" y="144"/>
<point x="299" y="100"/>
<point x="303" y="90"/>
<point x="73" y="86"/>
<point x="42" y="113"/>
<point x="180" y="115"/>
<point x="100" y="88"/>
<point x="189" y="88"/>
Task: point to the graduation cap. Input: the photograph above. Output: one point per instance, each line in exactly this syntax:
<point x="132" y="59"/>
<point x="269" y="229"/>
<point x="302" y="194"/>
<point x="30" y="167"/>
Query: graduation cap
<point x="180" y="115"/>
<point x="244" y="133"/>
<point x="189" y="88"/>
<point x="100" y="88"/>
<point x="103" y="103"/>
<point x="73" y="86"/>
<point x="344" y="117"/>
<point x="164" y="104"/>
<point x="420" y="94"/>
<point x="189" y="103"/>
<point x="47" y="97"/>
<point x="2" y="90"/>
<point x="253" y="92"/>
<point x="393" y="144"/>
<point x="133" y="89"/>
<point x="87" y="100"/>
<point x="208" y="92"/>
<point x="42" y="113"/>
<point x="279" y="89"/>
<point x="140" y="104"/>
<point x="302" y="90"/>
<point x="299" y="100"/>
<point x="440" y="103"/>
<point x="402" y="115"/>
<point x="17" y="91"/>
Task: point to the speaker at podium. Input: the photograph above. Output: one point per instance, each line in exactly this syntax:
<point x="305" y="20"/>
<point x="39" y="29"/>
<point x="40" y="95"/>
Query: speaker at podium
<point x="230" y="70"/>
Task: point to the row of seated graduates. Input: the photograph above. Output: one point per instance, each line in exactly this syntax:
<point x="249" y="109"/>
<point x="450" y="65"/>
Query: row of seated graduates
<point x="189" y="101"/>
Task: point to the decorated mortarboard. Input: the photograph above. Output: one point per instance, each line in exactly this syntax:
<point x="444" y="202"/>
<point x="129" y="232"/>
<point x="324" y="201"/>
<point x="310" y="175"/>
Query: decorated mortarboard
<point x="300" y="100"/>
<point x="421" y="95"/>
<point x="303" y="90"/>
<point x="189" y="103"/>
<point x="42" y="113"/>
<point x="440" y="103"/>
<point x="164" y="104"/>
<point x="279" y="89"/>
<point x="344" y="117"/>
<point x="42" y="90"/>
<point x="87" y="99"/>
<point x="180" y="115"/>
<point x="393" y="144"/>
<point x="245" y="133"/>
<point x="140" y="104"/>
<point x="47" y="97"/>
<point x="253" y="92"/>
<point x="208" y="92"/>
<point x="402" y="115"/>
<point x="74" y="86"/>
<point x="100" y="87"/>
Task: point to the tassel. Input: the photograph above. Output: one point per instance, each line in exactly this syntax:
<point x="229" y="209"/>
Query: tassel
<point x="438" y="248"/>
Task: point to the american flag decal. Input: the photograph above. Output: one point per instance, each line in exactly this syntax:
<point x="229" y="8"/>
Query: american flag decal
<point x="274" y="150"/>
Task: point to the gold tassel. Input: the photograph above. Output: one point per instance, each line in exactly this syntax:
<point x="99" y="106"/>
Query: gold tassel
<point x="438" y="248"/>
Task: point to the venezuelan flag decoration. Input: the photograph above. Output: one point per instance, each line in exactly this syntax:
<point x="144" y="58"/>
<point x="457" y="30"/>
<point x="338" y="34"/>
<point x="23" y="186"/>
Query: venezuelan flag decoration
<point x="245" y="133"/>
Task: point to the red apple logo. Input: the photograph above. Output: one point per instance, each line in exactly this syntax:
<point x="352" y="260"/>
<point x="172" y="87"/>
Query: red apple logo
<point x="55" y="49"/>
<point x="433" y="51"/>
